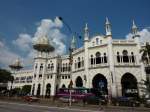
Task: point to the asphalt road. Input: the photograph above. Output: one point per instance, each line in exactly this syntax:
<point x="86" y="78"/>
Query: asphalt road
<point x="24" y="107"/>
<point x="20" y="107"/>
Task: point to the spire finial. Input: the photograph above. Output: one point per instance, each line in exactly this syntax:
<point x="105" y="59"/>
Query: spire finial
<point x="73" y="43"/>
<point x="86" y="27"/>
<point x="107" y="27"/>
<point x="134" y="29"/>
<point x="86" y="32"/>
<point x="133" y="24"/>
<point x="107" y="21"/>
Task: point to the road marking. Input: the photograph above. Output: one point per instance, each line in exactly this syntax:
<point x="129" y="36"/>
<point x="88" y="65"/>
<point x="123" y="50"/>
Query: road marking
<point x="61" y="108"/>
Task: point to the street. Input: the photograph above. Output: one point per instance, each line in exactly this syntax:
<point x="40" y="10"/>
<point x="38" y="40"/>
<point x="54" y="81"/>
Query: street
<point x="24" y="107"/>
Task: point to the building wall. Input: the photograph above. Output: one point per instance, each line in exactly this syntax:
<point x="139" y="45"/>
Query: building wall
<point x="111" y="70"/>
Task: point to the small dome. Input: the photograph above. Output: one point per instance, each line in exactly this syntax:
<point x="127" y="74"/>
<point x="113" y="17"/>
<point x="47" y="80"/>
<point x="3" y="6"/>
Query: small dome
<point x="43" y="40"/>
<point x="17" y="62"/>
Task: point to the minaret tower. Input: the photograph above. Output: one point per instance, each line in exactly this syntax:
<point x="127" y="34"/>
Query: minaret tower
<point x="86" y="56"/>
<point x="73" y="43"/>
<point x="134" y="30"/>
<point x="86" y="32"/>
<point x="43" y="48"/>
<point x="108" y="27"/>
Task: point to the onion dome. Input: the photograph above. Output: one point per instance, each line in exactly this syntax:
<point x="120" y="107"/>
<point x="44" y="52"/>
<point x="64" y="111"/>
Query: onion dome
<point x="16" y="65"/>
<point x="42" y="44"/>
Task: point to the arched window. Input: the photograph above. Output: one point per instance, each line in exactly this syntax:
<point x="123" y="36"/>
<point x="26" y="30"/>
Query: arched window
<point x="92" y="60"/>
<point x="52" y="66"/>
<point x="63" y="67"/>
<point x="98" y="58"/>
<point x="36" y="65"/>
<point x="41" y="67"/>
<point x="48" y="66"/>
<point x="63" y="86"/>
<point x="75" y="64"/>
<point x="82" y="62"/>
<point x="118" y="57"/>
<point x="66" y="67"/>
<point x="105" y="58"/>
<point x="97" y="41"/>
<point x="125" y="56"/>
<point x="132" y="58"/>
<point x="79" y="62"/>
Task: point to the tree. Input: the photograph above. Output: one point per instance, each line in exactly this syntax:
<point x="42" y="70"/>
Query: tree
<point x="26" y="89"/>
<point x="5" y="76"/>
<point x="145" y="58"/>
<point x="145" y="53"/>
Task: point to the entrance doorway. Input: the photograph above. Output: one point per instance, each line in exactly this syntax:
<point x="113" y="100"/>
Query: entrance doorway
<point x="129" y="85"/>
<point x="99" y="85"/>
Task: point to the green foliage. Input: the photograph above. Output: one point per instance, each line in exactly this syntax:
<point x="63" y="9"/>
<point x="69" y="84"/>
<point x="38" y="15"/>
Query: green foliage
<point x="26" y="89"/>
<point x="5" y="76"/>
<point x="145" y="52"/>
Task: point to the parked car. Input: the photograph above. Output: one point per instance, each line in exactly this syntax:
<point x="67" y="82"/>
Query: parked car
<point x="147" y="103"/>
<point x="126" y="101"/>
<point x="30" y="98"/>
<point x="66" y="99"/>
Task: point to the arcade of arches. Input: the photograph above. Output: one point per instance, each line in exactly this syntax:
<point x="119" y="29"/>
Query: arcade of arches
<point x="128" y="83"/>
<point x="100" y="85"/>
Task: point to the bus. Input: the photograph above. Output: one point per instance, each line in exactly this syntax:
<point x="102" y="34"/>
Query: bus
<point x="76" y="93"/>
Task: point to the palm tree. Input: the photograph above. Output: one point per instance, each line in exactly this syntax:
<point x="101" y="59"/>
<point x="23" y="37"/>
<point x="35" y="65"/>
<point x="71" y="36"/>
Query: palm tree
<point x="145" y="58"/>
<point x="145" y="53"/>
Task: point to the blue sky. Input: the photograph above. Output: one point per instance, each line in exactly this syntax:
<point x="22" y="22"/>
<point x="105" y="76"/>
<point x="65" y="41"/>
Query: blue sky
<point x="24" y="16"/>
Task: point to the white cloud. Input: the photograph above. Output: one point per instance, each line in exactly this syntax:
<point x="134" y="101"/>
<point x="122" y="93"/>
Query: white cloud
<point x="46" y="27"/>
<point x="23" y="42"/>
<point x="7" y="57"/>
<point x="51" y="29"/>
<point x="144" y="35"/>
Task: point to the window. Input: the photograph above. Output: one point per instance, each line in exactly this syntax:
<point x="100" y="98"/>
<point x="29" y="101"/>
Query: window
<point x="63" y="67"/>
<point x="82" y="62"/>
<point x="98" y="58"/>
<point x="34" y="75"/>
<point x="36" y="66"/>
<point x="68" y="76"/>
<point x="40" y="75"/>
<point x="47" y="76"/>
<point x="92" y="60"/>
<point x="65" y="77"/>
<point x="105" y="58"/>
<point x="79" y="62"/>
<point x="41" y="67"/>
<point x="51" y="76"/>
<point x="52" y="66"/>
<point x="62" y="77"/>
<point x="132" y="58"/>
<point x="97" y="41"/>
<point x="125" y="56"/>
<point x="48" y="66"/>
<point x="118" y="57"/>
<point x="75" y="64"/>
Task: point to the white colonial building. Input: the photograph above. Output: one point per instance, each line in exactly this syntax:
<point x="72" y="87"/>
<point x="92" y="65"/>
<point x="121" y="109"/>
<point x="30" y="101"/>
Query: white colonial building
<point x="113" y="65"/>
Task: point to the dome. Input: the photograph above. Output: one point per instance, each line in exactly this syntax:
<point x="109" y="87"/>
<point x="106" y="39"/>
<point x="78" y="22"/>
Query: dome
<point x="42" y="40"/>
<point x="42" y="44"/>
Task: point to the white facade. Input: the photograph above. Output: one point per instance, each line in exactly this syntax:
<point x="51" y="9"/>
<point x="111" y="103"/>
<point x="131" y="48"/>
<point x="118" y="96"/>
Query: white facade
<point x="101" y="57"/>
